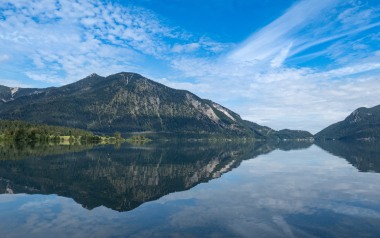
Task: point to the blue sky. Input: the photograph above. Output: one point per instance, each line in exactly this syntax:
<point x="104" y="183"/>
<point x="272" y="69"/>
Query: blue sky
<point x="284" y="64"/>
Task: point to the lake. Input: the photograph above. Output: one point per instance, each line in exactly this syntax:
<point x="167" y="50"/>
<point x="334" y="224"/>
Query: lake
<point x="260" y="189"/>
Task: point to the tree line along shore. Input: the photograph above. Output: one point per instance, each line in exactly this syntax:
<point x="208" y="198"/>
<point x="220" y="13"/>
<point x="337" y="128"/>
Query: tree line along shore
<point x="25" y="132"/>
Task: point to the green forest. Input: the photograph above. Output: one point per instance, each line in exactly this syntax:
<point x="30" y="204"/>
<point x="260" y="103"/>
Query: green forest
<point x="19" y="131"/>
<point x="25" y="132"/>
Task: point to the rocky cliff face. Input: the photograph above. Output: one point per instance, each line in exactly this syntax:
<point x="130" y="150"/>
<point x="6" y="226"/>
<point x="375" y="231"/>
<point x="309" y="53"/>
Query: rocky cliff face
<point x="8" y="94"/>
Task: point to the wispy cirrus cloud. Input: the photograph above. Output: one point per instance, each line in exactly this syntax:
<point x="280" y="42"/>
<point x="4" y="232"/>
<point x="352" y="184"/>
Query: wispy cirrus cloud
<point x="303" y="70"/>
<point x="305" y="25"/>
<point x="278" y="35"/>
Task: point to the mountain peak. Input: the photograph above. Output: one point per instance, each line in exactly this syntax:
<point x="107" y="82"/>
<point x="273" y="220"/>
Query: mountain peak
<point x="360" y="114"/>
<point x="126" y="74"/>
<point x="93" y="75"/>
<point x="128" y="102"/>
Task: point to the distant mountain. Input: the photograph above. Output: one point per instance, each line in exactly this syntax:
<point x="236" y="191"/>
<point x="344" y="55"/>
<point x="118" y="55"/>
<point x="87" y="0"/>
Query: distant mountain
<point x="263" y="132"/>
<point x="362" y="124"/>
<point x="287" y="134"/>
<point x="125" y="102"/>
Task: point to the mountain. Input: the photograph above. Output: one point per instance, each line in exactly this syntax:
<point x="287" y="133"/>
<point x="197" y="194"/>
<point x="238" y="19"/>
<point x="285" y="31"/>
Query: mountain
<point x="264" y="132"/>
<point x="125" y="102"/>
<point x="362" y="124"/>
<point x="9" y="94"/>
<point x="287" y="134"/>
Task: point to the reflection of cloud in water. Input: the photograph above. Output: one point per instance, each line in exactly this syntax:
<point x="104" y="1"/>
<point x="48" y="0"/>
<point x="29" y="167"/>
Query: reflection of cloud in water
<point x="47" y="216"/>
<point x="279" y="220"/>
<point x="261" y="197"/>
<point x="274" y="186"/>
<point x="8" y="198"/>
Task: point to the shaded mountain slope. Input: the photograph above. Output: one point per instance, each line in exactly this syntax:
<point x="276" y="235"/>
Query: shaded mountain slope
<point x="122" y="102"/>
<point x="129" y="102"/>
<point x="362" y="124"/>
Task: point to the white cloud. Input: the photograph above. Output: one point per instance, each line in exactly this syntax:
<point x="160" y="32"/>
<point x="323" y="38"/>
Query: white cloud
<point x="255" y="80"/>
<point x="346" y="71"/>
<point x="4" y="57"/>
<point x="285" y="97"/>
<point x="303" y="27"/>
<point x="270" y="40"/>
<point x="61" y="41"/>
<point x="185" y="85"/>
<point x="281" y="57"/>
<point x="14" y="83"/>
<point x="64" y="41"/>
<point x="177" y="48"/>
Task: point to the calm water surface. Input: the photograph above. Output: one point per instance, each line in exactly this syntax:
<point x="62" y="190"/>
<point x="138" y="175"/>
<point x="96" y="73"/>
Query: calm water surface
<point x="191" y="190"/>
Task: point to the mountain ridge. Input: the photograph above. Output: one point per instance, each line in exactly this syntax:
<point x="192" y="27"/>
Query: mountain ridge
<point x="128" y="102"/>
<point x="362" y="124"/>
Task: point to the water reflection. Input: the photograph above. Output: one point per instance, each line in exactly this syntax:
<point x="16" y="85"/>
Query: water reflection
<point x="124" y="177"/>
<point x="304" y="193"/>
<point x="364" y="155"/>
<point x="281" y="193"/>
<point x="120" y="178"/>
<point x="16" y="151"/>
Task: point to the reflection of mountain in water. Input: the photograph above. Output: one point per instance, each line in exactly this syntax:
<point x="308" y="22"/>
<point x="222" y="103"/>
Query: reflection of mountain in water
<point x="124" y="178"/>
<point x="22" y="150"/>
<point x="292" y="145"/>
<point x="364" y="155"/>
